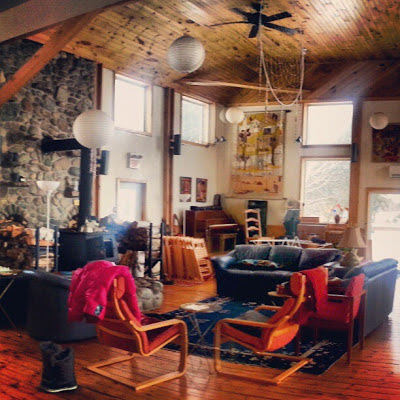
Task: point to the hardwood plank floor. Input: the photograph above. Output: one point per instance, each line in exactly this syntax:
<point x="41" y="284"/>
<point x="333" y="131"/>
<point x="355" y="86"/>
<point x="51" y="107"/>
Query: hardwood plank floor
<point x="374" y="373"/>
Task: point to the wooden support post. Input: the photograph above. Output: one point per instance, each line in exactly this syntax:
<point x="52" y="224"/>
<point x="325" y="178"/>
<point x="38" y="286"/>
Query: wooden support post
<point x="168" y="161"/>
<point x="46" y="53"/>
<point x="355" y="164"/>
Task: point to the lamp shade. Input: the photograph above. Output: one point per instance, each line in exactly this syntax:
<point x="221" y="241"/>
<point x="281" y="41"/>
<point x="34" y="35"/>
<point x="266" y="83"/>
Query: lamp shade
<point x="352" y="239"/>
<point x="48" y="186"/>
<point x="379" y="120"/>
<point x="186" y="54"/>
<point x="93" y="129"/>
<point x="234" y="115"/>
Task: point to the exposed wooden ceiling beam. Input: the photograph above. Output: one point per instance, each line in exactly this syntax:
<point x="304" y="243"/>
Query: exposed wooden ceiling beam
<point x="22" y="20"/>
<point x="46" y="53"/>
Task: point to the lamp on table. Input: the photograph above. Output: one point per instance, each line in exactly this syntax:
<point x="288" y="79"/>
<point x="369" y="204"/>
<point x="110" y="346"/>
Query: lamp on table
<point x="352" y="241"/>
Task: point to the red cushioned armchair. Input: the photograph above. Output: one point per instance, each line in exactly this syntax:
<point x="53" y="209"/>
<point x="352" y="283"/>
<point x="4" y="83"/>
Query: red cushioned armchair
<point x="120" y="329"/>
<point x="278" y="331"/>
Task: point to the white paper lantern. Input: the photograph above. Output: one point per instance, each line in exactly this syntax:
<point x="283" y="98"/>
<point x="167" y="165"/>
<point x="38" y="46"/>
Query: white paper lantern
<point x="186" y="54"/>
<point x="379" y="120"/>
<point x="234" y="115"/>
<point x="93" y="129"/>
<point x="222" y="116"/>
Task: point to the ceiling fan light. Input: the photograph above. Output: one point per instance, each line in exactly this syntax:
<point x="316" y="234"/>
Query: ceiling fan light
<point x="234" y="115"/>
<point x="93" y="129"/>
<point x="186" y="54"/>
<point x="379" y="120"/>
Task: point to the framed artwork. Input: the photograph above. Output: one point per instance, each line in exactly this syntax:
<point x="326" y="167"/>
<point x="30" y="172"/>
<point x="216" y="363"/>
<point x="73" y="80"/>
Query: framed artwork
<point x="257" y="165"/>
<point x="386" y="144"/>
<point x="201" y="190"/>
<point x="185" y="189"/>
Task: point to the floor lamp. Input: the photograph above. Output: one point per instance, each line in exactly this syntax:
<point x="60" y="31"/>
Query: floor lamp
<point x="49" y="187"/>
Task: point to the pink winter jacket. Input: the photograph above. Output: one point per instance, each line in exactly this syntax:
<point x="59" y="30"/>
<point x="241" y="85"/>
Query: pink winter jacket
<point x="90" y="286"/>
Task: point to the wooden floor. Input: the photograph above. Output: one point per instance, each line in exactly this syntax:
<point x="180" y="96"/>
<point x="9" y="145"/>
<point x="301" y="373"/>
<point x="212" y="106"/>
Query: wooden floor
<point x="374" y="373"/>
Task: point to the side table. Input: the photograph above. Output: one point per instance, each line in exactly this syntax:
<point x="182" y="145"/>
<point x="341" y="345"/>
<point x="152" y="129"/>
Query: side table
<point x="11" y="276"/>
<point x="275" y="294"/>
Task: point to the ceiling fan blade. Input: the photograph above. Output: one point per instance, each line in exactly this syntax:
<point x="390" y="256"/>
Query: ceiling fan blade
<point x="229" y="23"/>
<point x="275" y="17"/>
<point x="283" y="29"/>
<point x="254" y="31"/>
<point x="241" y="12"/>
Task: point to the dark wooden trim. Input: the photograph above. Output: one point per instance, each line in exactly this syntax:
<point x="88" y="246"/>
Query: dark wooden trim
<point x="46" y="53"/>
<point x="168" y="160"/>
<point x="98" y="86"/>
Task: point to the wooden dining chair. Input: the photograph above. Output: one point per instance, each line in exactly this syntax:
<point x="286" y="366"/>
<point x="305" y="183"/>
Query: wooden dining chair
<point x="269" y="336"/>
<point x="252" y="225"/>
<point x="120" y="329"/>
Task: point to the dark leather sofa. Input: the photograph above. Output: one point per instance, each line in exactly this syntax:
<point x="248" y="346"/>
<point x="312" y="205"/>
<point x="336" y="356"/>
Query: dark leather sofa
<point x="47" y="309"/>
<point x="241" y="281"/>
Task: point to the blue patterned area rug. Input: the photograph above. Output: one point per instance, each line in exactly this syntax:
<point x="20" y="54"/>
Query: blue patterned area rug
<point x="324" y="354"/>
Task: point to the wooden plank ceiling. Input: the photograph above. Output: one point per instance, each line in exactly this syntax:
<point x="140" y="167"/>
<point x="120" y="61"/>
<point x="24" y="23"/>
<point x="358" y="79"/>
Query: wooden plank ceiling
<point x="352" y="45"/>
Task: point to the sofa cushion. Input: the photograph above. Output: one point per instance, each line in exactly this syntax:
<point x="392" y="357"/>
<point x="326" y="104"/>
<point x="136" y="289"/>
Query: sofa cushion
<point x="255" y="252"/>
<point x="286" y="256"/>
<point x="313" y="258"/>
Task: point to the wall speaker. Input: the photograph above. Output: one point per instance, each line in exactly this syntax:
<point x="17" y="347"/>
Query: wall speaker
<point x="177" y="144"/>
<point x="354" y="152"/>
<point x="104" y="162"/>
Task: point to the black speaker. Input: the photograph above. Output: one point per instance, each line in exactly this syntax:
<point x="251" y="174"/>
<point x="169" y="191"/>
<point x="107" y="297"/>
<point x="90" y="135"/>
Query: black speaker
<point x="262" y="205"/>
<point x="104" y="162"/>
<point x="354" y="152"/>
<point x="177" y="144"/>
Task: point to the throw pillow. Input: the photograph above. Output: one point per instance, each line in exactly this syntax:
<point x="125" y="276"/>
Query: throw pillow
<point x="267" y="264"/>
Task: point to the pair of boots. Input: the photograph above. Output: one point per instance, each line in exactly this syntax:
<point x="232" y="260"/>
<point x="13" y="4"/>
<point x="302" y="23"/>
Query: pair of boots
<point x="58" y="368"/>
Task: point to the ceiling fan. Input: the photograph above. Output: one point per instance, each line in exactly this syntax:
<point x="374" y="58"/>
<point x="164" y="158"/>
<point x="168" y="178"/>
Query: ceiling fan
<point x="257" y="18"/>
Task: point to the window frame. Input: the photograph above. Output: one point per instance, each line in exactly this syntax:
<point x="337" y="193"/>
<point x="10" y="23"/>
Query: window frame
<point x="206" y="120"/>
<point x="332" y="157"/>
<point x="305" y="124"/>
<point x="147" y="105"/>
<point x="143" y="197"/>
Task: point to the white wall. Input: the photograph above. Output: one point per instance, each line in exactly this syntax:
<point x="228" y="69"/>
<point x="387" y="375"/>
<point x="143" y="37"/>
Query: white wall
<point x="291" y="179"/>
<point x="374" y="175"/>
<point x="150" y="147"/>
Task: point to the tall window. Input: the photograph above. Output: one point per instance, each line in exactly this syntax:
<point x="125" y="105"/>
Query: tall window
<point x="326" y="188"/>
<point x="195" y="121"/>
<point x="328" y="124"/>
<point x="131" y="104"/>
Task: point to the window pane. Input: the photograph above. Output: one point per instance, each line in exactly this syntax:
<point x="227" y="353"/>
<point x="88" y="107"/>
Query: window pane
<point x="326" y="185"/>
<point x="329" y="124"/>
<point x="193" y="121"/>
<point x="130" y="201"/>
<point x="129" y="105"/>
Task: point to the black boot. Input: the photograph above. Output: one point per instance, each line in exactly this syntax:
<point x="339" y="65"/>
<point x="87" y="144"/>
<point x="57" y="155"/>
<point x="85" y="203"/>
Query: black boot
<point x="64" y="374"/>
<point x="48" y="349"/>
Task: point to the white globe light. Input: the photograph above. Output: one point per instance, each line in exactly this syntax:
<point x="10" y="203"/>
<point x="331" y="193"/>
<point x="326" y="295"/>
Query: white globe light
<point x="186" y="54"/>
<point x="379" y="120"/>
<point x="222" y="116"/>
<point x="234" y="115"/>
<point x="93" y="129"/>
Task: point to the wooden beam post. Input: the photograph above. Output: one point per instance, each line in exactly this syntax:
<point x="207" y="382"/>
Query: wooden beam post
<point x="168" y="159"/>
<point x="46" y="53"/>
<point x="355" y="164"/>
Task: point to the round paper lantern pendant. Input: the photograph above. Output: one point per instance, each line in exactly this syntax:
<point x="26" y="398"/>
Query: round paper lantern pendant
<point x="234" y="115"/>
<point x="379" y="120"/>
<point x="186" y="54"/>
<point x="93" y="129"/>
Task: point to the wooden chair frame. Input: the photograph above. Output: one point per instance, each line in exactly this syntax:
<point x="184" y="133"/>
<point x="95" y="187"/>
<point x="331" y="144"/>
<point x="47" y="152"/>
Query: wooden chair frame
<point x="134" y="335"/>
<point x="220" y="339"/>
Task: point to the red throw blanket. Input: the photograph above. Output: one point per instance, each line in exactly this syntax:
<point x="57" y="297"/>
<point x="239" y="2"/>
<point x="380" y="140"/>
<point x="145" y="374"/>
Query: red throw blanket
<point x="89" y="290"/>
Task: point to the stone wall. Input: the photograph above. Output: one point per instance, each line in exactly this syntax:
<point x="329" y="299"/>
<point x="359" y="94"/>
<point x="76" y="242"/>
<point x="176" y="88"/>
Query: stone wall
<point x="45" y="108"/>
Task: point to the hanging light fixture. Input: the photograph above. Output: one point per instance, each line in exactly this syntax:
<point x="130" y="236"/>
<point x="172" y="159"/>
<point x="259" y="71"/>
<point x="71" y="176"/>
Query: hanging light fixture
<point x="379" y="120"/>
<point x="93" y="129"/>
<point x="186" y="54"/>
<point x="222" y="116"/>
<point x="234" y="115"/>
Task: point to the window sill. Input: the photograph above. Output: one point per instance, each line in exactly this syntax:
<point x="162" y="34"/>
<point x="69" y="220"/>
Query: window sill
<point x="326" y="146"/>
<point x="124" y="130"/>
<point x="196" y="144"/>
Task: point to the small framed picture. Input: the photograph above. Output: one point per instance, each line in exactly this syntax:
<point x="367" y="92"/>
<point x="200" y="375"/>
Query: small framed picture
<point x="185" y="190"/>
<point x="134" y="160"/>
<point x="201" y="190"/>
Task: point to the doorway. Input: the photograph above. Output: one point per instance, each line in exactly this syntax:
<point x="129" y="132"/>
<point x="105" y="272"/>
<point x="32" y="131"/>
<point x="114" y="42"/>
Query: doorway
<point x="384" y="223"/>
<point x="131" y="198"/>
